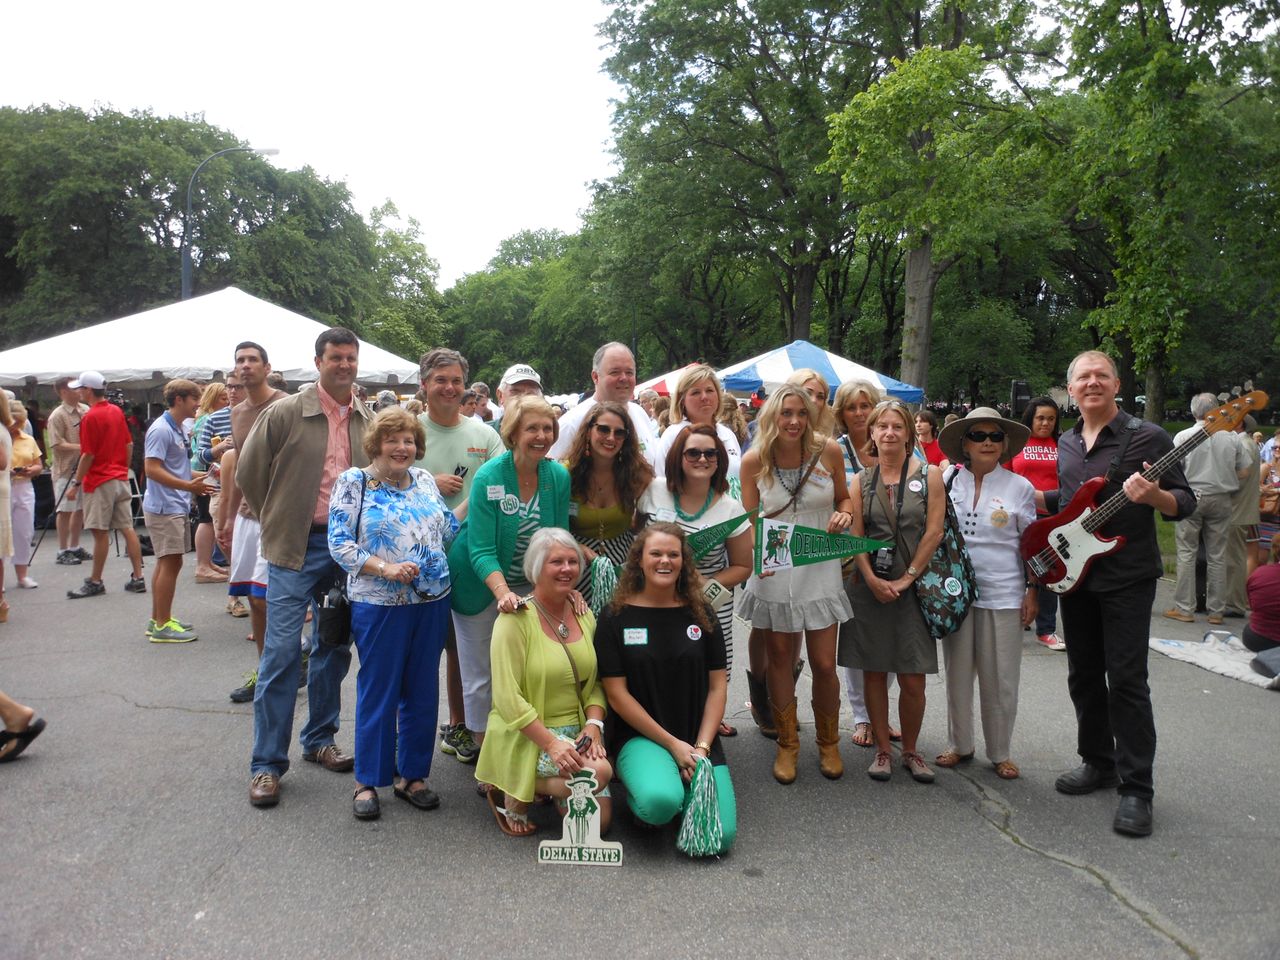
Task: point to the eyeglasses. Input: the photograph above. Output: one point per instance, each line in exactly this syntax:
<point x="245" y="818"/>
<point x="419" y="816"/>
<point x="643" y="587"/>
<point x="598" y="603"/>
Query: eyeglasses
<point x="606" y="431"/>
<point x="693" y="456"/>
<point x="980" y="436"/>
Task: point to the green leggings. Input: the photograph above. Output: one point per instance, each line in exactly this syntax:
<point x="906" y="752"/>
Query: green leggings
<point x="655" y="792"/>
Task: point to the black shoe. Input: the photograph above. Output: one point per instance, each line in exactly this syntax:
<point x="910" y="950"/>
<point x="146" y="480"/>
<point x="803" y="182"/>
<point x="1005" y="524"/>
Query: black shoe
<point x="1086" y="778"/>
<point x="81" y="553"/>
<point x="244" y="694"/>
<point x="136" y="585"/>
<point x="368" y="808"/>
<point x="67" y="558"/>
<point x="90" y="588"/>
<point x="1133" y="817"/>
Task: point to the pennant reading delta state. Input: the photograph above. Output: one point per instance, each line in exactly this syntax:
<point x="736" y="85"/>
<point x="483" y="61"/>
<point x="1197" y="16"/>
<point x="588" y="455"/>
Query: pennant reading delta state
<point x="703" y="541"/>
<point x="781" y="546"/>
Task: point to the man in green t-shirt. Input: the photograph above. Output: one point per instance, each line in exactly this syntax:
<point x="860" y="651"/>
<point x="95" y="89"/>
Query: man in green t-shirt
<point x="456" y="447"/>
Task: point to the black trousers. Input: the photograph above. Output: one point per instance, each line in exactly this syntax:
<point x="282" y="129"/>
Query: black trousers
<point x="1106" y="635"/>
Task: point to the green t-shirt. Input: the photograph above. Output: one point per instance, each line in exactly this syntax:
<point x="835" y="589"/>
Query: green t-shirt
<point x="458" y="450"/>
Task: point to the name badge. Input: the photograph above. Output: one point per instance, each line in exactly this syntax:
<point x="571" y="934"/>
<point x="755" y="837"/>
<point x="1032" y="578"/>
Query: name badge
<point x="495" y="492"/>
<point x="635" y="636"/>
<point x="573" y="508"/>
<point x="666" y="515"/>
<point x="510" y="504"/>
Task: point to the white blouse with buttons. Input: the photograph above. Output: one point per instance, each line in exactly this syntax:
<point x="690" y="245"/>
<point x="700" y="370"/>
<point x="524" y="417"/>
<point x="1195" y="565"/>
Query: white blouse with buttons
<point x="992" y="529"/>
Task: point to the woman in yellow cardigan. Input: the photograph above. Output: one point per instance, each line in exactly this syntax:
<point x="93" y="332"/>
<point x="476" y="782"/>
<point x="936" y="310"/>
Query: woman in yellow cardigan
<point x="546" y="693"/>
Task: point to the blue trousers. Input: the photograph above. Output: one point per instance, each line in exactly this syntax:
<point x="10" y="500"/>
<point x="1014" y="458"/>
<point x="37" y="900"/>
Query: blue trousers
<point x="399" y="678"/>
<point x="276" y="692"/>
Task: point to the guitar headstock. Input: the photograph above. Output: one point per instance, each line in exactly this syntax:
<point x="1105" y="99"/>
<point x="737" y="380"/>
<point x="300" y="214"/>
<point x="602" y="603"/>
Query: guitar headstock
<point x="1230" y="415"/>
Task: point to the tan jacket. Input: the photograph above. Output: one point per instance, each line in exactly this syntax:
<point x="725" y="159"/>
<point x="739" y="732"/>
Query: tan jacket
<point x="280" y="466"/>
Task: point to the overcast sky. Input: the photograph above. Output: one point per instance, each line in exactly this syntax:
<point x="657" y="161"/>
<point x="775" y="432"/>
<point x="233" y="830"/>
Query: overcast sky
<point x="478" y="119"/>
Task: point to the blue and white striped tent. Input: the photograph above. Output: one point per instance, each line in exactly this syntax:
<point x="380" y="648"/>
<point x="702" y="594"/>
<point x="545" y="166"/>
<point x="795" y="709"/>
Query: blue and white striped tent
<point x="770" y="370"/>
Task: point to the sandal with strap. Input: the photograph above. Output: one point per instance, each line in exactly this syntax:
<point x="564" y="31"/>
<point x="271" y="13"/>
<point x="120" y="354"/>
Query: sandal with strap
<point x="368" y="808"/>
<point x="862" y="735"/>
<point x="952" y="759"/>
<point x="22" y="738"/>
<point x="1007" y="770"/>
<point x="511" y="823"/>
<point x="726" y="730"/>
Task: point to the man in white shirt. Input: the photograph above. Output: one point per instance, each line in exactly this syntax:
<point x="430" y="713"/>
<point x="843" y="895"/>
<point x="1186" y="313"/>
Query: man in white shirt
<point x="1214" y="470"/>
<point x="613" y="370"/>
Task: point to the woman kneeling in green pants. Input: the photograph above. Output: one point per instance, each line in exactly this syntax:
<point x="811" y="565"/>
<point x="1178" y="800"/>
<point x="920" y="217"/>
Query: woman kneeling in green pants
<point x="661" y="659"/>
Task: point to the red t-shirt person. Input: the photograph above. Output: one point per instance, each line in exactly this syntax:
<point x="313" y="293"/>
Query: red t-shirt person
<point x="1038" y="462"/>
<point x="105" y="435"/>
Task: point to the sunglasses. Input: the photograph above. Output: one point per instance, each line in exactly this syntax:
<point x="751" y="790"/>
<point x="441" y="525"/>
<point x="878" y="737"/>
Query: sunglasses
<point x="980" y="436"/>
<point x="606" y="431"/>
<point x="693" y="456"/>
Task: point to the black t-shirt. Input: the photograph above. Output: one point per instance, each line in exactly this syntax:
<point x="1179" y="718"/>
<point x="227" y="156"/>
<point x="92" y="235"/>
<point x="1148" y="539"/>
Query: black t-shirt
<point x="665" y="656"/>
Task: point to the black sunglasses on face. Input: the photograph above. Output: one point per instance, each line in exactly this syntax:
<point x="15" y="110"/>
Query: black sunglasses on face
<point x="606" y="431"/>
<point x="693" y="456"/>
<point x="979" y="436"/>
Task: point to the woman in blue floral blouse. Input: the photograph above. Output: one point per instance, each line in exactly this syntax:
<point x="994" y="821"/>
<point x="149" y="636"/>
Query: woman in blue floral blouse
<point x="390" y="530"/>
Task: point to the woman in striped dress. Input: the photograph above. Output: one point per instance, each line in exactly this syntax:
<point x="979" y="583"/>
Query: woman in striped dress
<point x="695" y="495"/>
<point x="607" y="476"/>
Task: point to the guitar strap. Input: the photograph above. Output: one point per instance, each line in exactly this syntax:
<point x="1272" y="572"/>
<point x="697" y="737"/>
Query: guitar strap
<point x="1130" y="429"/>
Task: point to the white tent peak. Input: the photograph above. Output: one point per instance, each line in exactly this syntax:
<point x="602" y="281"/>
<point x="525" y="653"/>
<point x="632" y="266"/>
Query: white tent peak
<point x="195" y="339"/>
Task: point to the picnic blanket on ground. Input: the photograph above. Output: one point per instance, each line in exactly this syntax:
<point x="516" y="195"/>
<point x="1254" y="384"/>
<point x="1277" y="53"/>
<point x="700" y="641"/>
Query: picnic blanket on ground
<point x="1220" y="652"/>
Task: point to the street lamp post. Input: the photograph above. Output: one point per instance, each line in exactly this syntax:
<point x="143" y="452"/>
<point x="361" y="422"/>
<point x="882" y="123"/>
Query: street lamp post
<point x="186" y="220"/>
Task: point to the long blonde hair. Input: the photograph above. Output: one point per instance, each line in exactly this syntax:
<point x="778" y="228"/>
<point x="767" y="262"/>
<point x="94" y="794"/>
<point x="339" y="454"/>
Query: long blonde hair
<point x="825" y="423"/>
<point x="810" y="442"/>
<point x="213" y="398"/>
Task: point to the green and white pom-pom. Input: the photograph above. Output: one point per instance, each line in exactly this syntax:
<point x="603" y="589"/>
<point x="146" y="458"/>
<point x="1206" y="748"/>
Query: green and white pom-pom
<point x="735" y="489"/>
<point x="701" y="834"/>
<point x="604" y="580"/>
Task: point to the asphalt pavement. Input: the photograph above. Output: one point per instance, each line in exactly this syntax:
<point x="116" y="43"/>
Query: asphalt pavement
<point x="128" y="832"/>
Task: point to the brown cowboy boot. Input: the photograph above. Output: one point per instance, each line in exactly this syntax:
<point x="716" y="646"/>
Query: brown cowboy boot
<point x="828" y="737"/>
<point x="784" y="764"/>
<point x="761" y="710"/>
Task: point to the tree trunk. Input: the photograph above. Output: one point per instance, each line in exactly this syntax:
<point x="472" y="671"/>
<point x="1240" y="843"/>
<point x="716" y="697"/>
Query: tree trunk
<point x="917" y="319"/>
<point x="802" y="317"/>
<point x="1155" y="389"/>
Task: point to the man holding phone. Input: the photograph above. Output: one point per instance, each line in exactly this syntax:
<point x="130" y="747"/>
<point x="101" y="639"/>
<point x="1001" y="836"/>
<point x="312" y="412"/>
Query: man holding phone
<point x="455" y="448"/>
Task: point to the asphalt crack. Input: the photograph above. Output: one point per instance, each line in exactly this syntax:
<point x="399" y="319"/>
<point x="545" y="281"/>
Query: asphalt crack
<point x="999" y="814"/>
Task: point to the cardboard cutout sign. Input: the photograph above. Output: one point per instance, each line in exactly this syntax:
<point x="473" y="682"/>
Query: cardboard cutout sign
<point x="580" y="842"/>
<point x="781" y="546"/>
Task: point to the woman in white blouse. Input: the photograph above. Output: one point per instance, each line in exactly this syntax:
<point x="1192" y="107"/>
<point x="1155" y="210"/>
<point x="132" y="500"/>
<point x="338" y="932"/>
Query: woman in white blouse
<point x="697" y="402"/>
<point x="994" y="507"/>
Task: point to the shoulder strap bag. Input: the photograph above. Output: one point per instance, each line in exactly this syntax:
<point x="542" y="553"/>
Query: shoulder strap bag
<point x="333" y="626"/>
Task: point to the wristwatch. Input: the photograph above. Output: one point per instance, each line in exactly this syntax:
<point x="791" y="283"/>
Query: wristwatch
<point x="596" y="723"/>
<point x="913" y="572"/>
<point x="702" y="745"/>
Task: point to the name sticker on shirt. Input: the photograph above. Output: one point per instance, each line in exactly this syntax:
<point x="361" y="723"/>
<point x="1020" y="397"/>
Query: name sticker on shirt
<point x="666" y="515"/>
<point x="573" y="508"/>
<point x="635" y="636"/>
<point x="694" y="632"/>
<point x="495" y="492"/>
<point x="510" y="504"/>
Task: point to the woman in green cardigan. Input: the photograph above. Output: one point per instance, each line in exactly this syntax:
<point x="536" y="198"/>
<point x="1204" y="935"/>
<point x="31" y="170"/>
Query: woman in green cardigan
<point x="547" y="698"/>
<point x="512" y="496"/>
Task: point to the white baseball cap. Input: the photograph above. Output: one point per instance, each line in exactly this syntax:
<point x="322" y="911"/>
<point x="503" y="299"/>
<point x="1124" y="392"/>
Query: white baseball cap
<point x="519" y="373"/>
<point x="91" y="379"/>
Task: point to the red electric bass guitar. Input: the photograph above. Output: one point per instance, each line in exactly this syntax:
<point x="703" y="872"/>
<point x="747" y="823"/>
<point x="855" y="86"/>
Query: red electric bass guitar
<point x="1059" y="549"/>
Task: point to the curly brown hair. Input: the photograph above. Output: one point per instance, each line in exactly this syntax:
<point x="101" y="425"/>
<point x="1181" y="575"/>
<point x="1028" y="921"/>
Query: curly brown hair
<point x="688" y="584"/>
<point x="631" y="471"/>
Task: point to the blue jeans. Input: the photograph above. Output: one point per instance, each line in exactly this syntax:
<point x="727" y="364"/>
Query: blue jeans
<point x="1047" y="618"/>
<point x="276" y="693"/>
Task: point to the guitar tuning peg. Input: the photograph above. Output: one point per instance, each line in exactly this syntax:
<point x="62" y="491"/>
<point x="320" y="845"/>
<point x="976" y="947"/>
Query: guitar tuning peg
<point x="1235" y="391"/>
<point x="1248" y="386"/>
<point x="1224" y="397"/>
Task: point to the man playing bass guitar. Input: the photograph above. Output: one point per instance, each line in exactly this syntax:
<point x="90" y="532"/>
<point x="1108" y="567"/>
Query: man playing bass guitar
<point x="1107" y="617"/>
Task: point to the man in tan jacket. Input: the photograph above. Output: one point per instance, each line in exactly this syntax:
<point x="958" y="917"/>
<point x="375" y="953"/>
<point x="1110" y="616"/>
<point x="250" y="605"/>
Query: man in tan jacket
<point x="296" y="449"/>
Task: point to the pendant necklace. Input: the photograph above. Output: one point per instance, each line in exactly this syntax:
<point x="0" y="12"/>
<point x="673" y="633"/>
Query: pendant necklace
<point x="562" y="630"/>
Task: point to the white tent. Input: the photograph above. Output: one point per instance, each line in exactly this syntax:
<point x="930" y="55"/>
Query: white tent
<point x="194" y="339"/>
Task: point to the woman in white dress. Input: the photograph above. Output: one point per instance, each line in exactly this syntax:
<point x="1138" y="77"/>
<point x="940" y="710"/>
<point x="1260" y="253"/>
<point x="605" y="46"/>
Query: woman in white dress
<point x="795" y="475"/>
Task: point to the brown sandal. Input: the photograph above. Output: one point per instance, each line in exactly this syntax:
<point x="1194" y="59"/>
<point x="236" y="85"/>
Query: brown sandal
<point x="1007" y="770"/>
<point x="511" y="823"/>
<point x="952" y="759"/>
<point x="862" y="735"/>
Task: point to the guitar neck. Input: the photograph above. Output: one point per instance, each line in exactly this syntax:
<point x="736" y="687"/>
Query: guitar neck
<point x="1153" y="473"/>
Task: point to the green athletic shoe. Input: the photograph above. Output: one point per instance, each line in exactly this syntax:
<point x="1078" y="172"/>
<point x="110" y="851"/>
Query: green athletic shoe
<point x="170" y="632"/>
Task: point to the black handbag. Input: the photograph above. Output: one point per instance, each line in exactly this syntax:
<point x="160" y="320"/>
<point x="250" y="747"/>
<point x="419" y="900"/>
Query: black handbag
<point x="333" y="620"/>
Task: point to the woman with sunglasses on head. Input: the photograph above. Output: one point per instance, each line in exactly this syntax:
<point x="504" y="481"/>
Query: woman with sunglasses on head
<point x="815" y="384"/>
<point x="662" y="664"/>
<point x="1037" y="461"/>
<point x="607" y="477"/>
<point x="795" y="475"/>
<point x="697" y="402"/>
<point x="900" y="501"/>
<point x="994" y="507"/>
<point x="694" y="495"/>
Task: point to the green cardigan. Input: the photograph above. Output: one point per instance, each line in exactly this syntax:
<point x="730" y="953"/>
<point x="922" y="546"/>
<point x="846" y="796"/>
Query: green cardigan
<point x="523" y="657"/>
<point x="487" y="541"/>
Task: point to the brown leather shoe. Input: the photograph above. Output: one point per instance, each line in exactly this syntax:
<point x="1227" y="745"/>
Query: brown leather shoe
<point x="264" y="790"/>
<point x="331" y="758"/>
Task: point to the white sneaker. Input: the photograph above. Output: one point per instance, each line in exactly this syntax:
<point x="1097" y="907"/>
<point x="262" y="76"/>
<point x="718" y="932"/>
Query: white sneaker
<point x="1052" y="641"/>
<point x="26" y="583"/>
